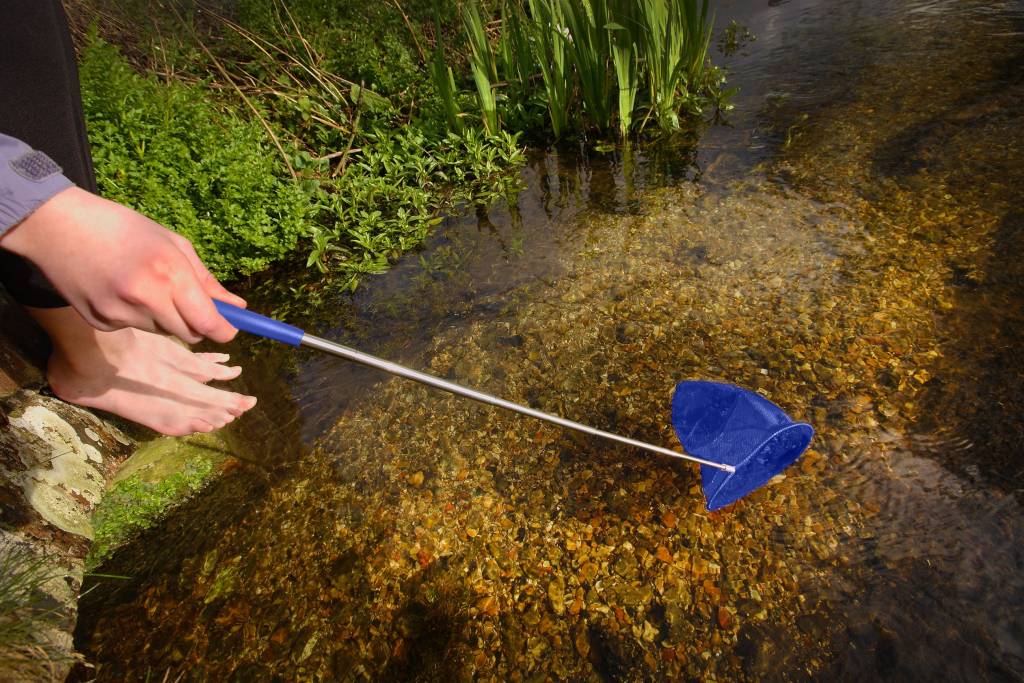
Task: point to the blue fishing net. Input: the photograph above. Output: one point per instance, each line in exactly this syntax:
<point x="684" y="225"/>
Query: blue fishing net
<point x="726" y="424"/>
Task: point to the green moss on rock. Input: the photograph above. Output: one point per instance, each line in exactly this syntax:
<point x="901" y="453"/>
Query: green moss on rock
<point x="160" y="475"/>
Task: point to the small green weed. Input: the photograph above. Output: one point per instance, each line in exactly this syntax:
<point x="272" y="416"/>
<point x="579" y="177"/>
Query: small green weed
<point x="170" y="152"/>
<point x="28" y="615"/>
<point x="734" y="38"/>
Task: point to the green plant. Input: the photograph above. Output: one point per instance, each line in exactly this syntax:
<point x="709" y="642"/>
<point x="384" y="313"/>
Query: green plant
<point x="321" y="250"/>
<point x="514" y="49"/>
<point x="665" y="37"/>
<point x="587" y="43"/>
<point x="697" y="27"/>
<point x="170" y="152"/>
<point x="444" y="84"/>
<point x="595" y="58"/>
<point x="551" y="55"/>
<point x="132" y="505"/>
<point x="734" y="37"/>
<point x="28" y="616"/>
<point x="625" y="50"/>
<point x="482" y="66"/>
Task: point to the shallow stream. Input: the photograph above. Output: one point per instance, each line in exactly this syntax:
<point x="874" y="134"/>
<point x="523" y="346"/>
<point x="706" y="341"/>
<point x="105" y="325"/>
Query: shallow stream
<point x="849" y="243"/>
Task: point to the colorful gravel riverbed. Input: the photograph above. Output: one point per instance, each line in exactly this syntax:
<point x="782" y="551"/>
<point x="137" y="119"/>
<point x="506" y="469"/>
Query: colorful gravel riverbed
<point x="866" y="279"/>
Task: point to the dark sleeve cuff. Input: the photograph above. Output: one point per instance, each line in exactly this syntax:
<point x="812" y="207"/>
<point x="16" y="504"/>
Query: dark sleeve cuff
<point x="28" y="178"/>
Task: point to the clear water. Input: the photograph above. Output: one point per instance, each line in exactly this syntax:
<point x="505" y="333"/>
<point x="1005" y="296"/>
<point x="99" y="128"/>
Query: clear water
<point x="848" y="244"/>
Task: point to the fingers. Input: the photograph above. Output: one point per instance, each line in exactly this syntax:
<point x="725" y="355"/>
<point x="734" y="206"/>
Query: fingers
<point x="195" y="306"/>
<point x="196" y="309"/>
<point x="214" y="357"/>
<point x="207" y="281"/>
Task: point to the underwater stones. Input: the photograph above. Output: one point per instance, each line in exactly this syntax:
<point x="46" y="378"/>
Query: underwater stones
<point x="668" y="519"/>
<point x="556" y="594"/>
<point x="626" y="565"/>
<point x="588" y="572"/>
<point x="725" y="618"/>
<point x="575" y="560"/>
<point x="635" y="595"/>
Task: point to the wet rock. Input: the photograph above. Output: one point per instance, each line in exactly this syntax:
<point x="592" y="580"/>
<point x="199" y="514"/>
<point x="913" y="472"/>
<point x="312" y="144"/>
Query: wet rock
<point x="813" y="625"/>
<point x="556" y="594"/>
<point x="626" y="566"/>
<point x="756" y="651"/>
<point x="55" y="461"/>
<point x="514" y="341"/>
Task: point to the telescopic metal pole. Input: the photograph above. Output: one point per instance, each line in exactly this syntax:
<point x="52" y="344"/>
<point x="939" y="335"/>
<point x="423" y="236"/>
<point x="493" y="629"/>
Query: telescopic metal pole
<point x="347" y="353"/>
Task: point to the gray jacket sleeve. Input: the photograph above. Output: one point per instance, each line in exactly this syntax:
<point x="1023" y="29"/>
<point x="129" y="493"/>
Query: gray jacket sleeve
<point x="27" y="179"/>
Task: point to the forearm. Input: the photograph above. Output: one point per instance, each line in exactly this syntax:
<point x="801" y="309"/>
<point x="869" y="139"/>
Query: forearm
<point x="28" y="179"/>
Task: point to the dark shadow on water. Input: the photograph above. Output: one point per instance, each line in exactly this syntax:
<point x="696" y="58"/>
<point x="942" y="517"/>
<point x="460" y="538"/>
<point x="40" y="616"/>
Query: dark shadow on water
<point x="191" y="530"/>
<point x="432" y="624"/>
<point x="923" y="147"/>
<point x="615" y="658"/>
<point x="979" y="401"/>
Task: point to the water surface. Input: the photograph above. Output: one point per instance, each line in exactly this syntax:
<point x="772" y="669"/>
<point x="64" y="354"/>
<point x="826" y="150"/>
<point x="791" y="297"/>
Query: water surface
<point x="848" y="243"/>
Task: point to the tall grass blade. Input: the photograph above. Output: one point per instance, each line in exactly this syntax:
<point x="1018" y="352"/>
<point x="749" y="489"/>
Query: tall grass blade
<point x="551" y="55"/>
<point x="665" y="36"/>
<point x="624" y="39"/>
<point x="478" y="41"/>
<point x="514" y="50"/>
<point x="485" y="95"/>
<point x="698" y="38"/>
<point x="587" y="44"/>
<point x="482" y="66"/>
<point x="444" y="81"/>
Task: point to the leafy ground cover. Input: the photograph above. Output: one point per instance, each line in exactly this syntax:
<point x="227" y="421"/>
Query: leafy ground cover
<point x="280" y="129"/>
<point x="202" y="170"/>
<point x="263" y="129"/>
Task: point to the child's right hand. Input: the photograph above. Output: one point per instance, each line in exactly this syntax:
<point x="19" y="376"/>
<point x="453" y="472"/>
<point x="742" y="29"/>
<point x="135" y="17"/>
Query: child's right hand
<point x="118" y="268"/>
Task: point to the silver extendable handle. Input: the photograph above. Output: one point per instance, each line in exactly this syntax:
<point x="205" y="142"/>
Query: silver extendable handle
<point x="402" y="371"/>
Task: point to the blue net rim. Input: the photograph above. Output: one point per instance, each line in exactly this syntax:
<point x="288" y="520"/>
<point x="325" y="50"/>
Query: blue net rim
<point x="780" y="463"/>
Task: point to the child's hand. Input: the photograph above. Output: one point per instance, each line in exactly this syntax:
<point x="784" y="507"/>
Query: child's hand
<point x="118" y="268"/>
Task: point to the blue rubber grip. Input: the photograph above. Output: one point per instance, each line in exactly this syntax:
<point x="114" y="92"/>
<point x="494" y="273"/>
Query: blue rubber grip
<point x="261" y="325"/>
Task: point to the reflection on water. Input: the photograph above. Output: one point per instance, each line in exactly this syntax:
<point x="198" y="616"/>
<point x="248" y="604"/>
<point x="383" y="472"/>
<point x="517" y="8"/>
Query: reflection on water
<point x="849" y="245"/>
